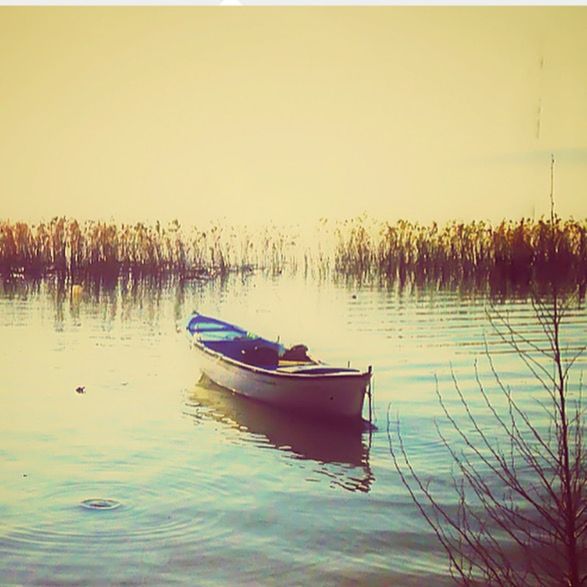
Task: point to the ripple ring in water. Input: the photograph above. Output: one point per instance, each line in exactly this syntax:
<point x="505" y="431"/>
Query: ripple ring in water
<point x="99" y="503"/>
<point x="176" y="514"/>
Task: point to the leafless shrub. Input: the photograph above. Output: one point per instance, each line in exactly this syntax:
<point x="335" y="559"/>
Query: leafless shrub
<point x="520" y="486"/>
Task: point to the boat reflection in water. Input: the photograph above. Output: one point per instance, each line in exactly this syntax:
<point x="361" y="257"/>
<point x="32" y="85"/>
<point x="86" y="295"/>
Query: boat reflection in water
<point x="339" y="449"/>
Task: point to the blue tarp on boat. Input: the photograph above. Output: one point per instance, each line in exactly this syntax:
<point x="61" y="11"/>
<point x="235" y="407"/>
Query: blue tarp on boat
<point x="235" y="342"/>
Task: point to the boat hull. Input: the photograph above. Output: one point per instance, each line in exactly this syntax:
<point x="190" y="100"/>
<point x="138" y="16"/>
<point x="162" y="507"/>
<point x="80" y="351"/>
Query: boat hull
<point x="338" y="395"/>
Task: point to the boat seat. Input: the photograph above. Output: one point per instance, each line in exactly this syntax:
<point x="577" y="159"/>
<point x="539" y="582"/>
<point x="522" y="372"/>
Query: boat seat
<point x="286" y="363"/>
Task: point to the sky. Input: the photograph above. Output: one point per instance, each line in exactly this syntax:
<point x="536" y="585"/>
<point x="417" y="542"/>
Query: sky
<point x="289" y="114"/>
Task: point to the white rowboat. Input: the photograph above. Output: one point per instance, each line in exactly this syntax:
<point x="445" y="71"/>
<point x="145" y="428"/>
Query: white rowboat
<point x="266" y="371"/>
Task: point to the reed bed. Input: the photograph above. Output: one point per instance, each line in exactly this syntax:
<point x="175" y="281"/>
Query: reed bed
<point x="522" y="252"/>
<point x="66" y="247"/>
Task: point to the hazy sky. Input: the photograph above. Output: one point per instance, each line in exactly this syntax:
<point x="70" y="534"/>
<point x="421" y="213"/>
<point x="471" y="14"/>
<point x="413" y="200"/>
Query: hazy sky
<point x="288" y="114"/>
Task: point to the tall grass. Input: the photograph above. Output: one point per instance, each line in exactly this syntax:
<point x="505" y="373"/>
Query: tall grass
<point x="517" y="252"/>
<point x="512" y="251"/>
<point x="65" y="246"/>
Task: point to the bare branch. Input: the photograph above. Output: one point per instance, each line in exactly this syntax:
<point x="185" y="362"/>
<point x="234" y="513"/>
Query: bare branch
<point x="521" y="515"/>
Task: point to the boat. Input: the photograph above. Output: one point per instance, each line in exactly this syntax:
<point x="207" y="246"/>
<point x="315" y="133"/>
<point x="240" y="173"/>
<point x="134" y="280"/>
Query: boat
<point x="267" y="371"/>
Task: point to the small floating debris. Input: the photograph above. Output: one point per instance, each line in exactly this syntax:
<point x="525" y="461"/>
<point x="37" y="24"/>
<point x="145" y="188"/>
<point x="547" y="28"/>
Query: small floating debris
<point x="81" y="389"/>
<point x="96" y="503"/>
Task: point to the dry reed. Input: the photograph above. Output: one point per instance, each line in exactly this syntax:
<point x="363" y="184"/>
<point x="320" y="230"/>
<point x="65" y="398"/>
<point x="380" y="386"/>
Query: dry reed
<point x="516" y="252"/>
<point x="66" y="247"/>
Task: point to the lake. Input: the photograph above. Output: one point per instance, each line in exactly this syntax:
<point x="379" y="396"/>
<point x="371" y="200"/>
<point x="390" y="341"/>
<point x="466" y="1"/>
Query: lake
<point x="150" y="477"/>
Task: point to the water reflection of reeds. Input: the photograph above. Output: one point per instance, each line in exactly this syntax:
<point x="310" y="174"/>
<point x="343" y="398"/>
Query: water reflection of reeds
<point x="509" y="255"/>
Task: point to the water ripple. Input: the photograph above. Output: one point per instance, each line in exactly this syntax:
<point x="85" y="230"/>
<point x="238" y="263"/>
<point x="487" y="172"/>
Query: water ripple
<point x="178" y="512"/>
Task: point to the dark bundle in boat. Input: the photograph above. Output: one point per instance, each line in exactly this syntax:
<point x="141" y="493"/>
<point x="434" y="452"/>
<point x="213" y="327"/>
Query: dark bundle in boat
<point x="298" y="352"/>
<point x="263" y="355"/>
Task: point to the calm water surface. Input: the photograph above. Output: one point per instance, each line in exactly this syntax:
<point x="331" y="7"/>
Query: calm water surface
<point x="195" y="486"/>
